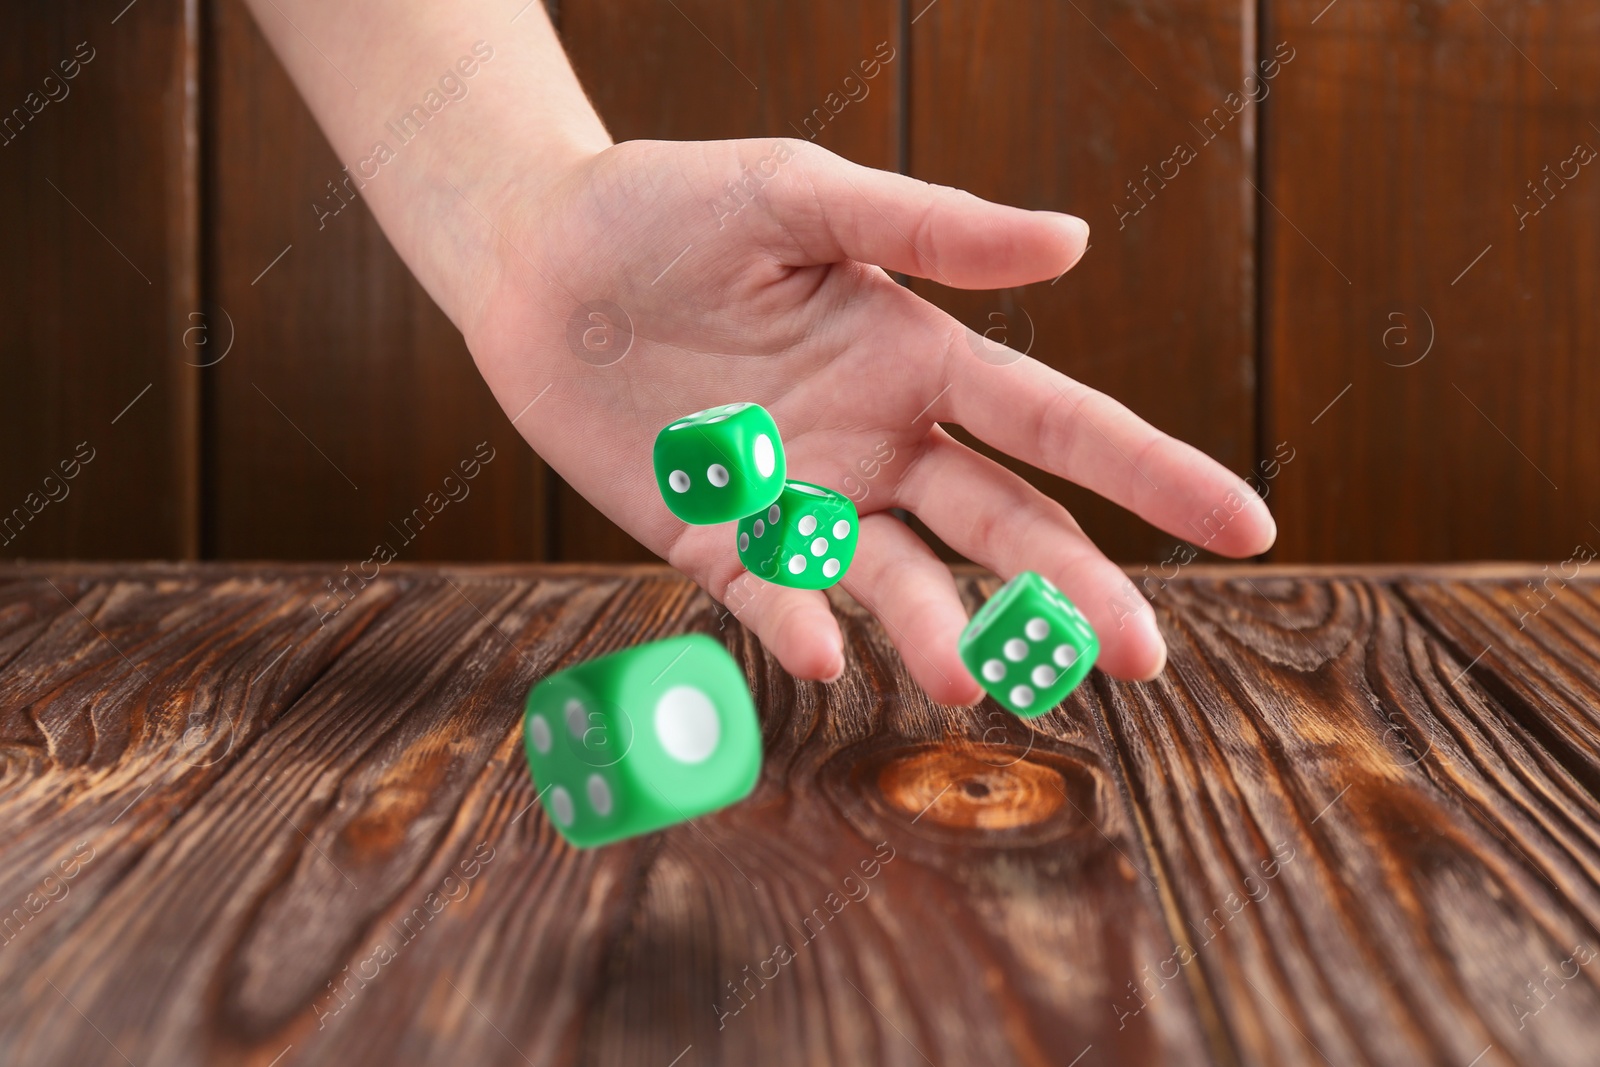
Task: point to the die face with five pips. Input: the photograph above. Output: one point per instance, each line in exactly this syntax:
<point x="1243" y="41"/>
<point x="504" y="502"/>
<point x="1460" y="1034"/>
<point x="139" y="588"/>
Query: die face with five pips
<point x="641" y="739"/>
<point x="805" y="540"/>
<point x="1029" y="646"/>
<point x="720" y="464"/>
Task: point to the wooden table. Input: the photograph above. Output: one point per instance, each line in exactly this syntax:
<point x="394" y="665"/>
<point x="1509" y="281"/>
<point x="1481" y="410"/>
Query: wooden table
<point x="1355" y="822"/>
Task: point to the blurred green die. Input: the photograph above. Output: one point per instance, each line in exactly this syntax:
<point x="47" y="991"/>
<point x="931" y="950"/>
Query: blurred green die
<point x="805" y="540"/>
<point x="641" y="739"/>
<point x="720" y="464"/>
<point x="1029" y="646"/>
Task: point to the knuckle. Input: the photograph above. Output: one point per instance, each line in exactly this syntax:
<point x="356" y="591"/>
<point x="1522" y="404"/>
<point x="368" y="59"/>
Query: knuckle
<point x="1057" y="429"/>
<point x="924" y="236"/>
<point x="801" y="149"/>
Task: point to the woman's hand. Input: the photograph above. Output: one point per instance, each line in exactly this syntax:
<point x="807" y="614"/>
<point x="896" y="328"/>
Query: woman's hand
<point x="748" y="270"/>
<point x="652" y="279"/>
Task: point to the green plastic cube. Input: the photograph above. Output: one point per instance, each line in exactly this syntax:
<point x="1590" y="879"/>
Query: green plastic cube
<point x="641" y="739"/>
<point x="805" y="540"/>
<point x="720" y="464"/>
<point x="1029" y="646"/>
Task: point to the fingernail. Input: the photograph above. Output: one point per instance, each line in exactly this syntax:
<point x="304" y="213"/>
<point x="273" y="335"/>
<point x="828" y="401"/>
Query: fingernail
<point x="1073" y="221"/>
<point x="1083" y="235"/>
<point x="838" y="672"/>
<point x="1272" y="533"/>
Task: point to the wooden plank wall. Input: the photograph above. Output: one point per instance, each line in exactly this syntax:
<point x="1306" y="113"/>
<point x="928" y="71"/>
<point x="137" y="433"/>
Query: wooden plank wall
<point x="98" y="278"/>
<point x="349" y="398"/>
<point x="1400" y="149"/>
<point x="1314" y="236"/>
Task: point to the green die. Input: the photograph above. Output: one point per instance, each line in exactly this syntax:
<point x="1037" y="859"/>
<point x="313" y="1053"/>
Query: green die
<point x="642" y="739"/>
<point x="805" y="540"/>
<point x="720" y="464"/>
<point x="1029" y="646"/>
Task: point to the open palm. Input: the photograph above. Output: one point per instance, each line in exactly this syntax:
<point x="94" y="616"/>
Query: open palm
<point x="643" y="286"/>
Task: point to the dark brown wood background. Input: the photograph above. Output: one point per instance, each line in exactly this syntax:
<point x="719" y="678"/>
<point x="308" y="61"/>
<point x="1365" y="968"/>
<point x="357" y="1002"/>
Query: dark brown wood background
<point x="1340" y="275"/>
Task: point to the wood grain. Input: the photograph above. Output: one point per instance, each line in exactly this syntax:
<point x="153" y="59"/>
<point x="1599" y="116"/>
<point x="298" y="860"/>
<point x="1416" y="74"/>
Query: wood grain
<point x="348" y="397"/>
<point x="99" y="278"/>
<point x="1420" y="846"/>
<point x="1354" y="822"/>
<point x="1081" y="108"/>
<point x="1400" y="144"/>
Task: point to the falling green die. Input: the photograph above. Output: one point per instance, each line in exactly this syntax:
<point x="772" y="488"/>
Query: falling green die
<point x="641" y="739"/>
<point x="720" y="464"/>
<point x="805" y="540"/>
<point x="1029" y="646"/>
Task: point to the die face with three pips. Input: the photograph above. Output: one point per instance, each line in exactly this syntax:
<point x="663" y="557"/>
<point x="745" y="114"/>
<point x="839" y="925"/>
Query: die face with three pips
<point x="1029" y="646"/>
<point x="641" y="739"/>
<point x="805" y="540"/>
<point x="720" y="464"/>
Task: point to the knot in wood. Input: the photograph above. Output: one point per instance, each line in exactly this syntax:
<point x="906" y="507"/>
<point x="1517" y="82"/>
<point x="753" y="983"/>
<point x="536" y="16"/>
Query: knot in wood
<point x="960" y="789"/>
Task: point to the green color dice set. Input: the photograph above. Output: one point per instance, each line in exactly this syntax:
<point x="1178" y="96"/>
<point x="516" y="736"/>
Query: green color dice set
<point x="1029" y="646"/>
<point x="655" y="735"/>
<point x="727" y="463"/>
<point x="641" y="739"/>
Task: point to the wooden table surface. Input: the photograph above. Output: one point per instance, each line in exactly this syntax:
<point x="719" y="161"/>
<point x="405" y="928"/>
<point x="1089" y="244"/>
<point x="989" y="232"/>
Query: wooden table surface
<point x="1355" y="822"/>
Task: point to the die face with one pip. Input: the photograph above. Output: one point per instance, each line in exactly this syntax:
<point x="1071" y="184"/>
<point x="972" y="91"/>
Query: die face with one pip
<point x="720" y="464"/>
<point x="641" y="739"/>
<point x="1029" y="646"/>
<point x="805" y="540"/>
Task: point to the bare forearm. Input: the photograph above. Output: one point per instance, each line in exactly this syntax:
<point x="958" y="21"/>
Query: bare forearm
<point x="437" y="110"/>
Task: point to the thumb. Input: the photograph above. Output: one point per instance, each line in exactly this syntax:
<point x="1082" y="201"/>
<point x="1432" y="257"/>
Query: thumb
<point x="836" y="210"/>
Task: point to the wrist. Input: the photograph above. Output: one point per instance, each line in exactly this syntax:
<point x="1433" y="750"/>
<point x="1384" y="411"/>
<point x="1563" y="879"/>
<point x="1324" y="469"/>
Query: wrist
<point x="490" y="195"/>
<point x="442" y="159"/>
